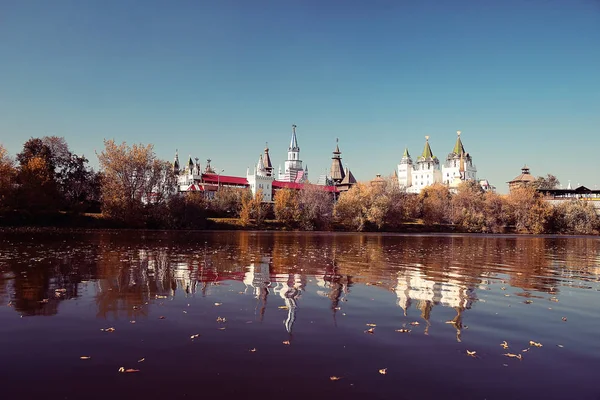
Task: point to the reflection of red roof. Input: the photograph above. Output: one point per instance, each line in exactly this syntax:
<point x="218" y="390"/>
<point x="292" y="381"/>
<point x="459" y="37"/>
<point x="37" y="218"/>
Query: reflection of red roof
<point x="224" y="179"/>
<point x="195" y="187"/>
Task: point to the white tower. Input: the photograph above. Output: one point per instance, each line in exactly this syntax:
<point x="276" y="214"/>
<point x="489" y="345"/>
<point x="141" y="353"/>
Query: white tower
<point x="427" y="170"/>
<point x="260" y="180"/>
<point x="405" y="171"/>
<point x="293" y="171"/>
<point x="458" y="166"/>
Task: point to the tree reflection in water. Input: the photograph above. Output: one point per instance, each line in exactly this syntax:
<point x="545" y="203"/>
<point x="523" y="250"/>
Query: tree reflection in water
<point x="129" y="273"/>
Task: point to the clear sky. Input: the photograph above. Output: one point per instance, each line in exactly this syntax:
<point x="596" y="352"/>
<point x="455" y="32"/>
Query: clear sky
<point x="218" y="79"/>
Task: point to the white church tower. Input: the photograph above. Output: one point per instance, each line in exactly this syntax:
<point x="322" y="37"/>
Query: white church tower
<point x="458" y="166"/>
<point x="405" y="169"/>
<point x="261" y="179"/>
<point x="427" y="170"/>
<point x="293" y="171"/>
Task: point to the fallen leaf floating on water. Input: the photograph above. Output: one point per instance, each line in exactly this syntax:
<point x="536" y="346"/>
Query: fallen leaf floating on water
<point x="218" y="304"/>
<point x="222" y="328"/>
<point x="471" y="353"/>
<point x="132" y="322"/>
<point x="221" y="319"/>
<point x="371" y="324"/>
<point x="195" y="336"/>
<point x="564" y="319"/>
<point x="525" y="350"/>
<point x="383" y="371"/>
<point x="142" y="360"/>
<point x="511" y="355"/>
<point x="504" y="345"/>
<point x="560" y="345"/>
<point x="283" y="307"/>
<point x="111" y="329"/>
<point x="536" y="344"/>
<point x="370" y="330"/>
<point x="85" y="357"/>
<point x="162" y="317"/>
<point x="528" y="301"/>
<point x="335" y="378"/>
<point x="414" y="323"/>
<point x="554" y="299"/>
<point x="503" y="288"/>
<point x="286" y="342"/>
<point x="403" y="330"/>
<point x="253" y="350"/>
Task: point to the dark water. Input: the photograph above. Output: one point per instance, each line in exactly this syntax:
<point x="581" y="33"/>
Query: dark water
<point x="302" y="302"/>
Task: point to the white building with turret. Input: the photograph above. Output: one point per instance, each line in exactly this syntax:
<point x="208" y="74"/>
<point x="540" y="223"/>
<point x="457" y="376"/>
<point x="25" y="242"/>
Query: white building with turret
<point x="428" y="170"/>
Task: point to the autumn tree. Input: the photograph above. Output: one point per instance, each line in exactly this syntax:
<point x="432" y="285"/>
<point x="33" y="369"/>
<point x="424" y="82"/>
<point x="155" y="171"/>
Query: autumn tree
<point x="435" y="202"/>
<point x="7" y="176"/>
<point x="495" y="213"/>
<point x="252" y="208"/>
<point x="132" y="177"/>
<point x="315" y="207"/>
<point x="286" y="207"/>
<point x="547" y="182"/>
<point x="186" y="211"/>
<point x="74" y="184"/>
<point x="227" y="201"/>
<point x="468" y="207"/>
<point x="528" y="211"/>
<point x="577" y="217"/>
<point x="37" y="186"/>
<point x="352" y="207"/>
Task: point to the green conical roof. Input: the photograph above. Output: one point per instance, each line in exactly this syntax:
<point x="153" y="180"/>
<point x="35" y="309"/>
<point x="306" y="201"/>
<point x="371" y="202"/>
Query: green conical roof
<point x="427" y="153"/>
<point x="406" y="154"/>
<point x="458" y="147"/>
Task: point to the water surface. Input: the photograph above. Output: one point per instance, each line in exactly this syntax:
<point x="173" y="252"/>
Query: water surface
<point x="279" y="314"/>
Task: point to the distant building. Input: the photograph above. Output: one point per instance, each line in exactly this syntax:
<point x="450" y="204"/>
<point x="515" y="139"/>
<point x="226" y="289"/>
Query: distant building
<point x="427" y="170"/>
<point x="339" y="176"/>
<point x="523" y="180"/>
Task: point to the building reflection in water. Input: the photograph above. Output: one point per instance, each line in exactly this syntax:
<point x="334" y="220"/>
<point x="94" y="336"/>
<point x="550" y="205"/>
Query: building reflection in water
<point x="413" y="285"/>
<point x="127" y="274"/>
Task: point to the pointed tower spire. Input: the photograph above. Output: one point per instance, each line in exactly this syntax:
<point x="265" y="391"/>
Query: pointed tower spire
<point x="337" y="170"/>
<point x="458" y="147"/>
<point x="260" y="166"/>
<point x="294" y="141"/>
<point x="427" y="153"/>
<point x="176" y="163"/>
<point x="267" y="160"/>
<point x="406" y="153"/>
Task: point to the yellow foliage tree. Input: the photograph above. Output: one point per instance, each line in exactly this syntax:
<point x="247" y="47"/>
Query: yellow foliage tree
<point x="132" y="176"/>
<point x="286" y="207"/>
<point x="435" y="204"/>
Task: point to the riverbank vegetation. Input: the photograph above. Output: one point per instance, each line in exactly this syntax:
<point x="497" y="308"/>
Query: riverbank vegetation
<point x="46" y="184"/>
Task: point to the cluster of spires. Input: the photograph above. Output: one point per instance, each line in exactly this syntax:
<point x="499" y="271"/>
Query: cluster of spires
<point x="192" y="168"/>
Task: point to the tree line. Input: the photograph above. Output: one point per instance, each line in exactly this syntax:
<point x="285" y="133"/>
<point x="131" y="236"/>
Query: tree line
<point x="136" y="189"/>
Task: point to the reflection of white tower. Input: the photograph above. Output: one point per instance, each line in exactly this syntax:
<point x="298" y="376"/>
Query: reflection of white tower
<point x="258" y="276"/>
<point x="289" y="287"/>
<point x="402" y="292"/>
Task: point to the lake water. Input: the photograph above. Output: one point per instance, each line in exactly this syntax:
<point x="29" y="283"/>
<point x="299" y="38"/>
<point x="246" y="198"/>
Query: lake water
<point x="298" y="315"/>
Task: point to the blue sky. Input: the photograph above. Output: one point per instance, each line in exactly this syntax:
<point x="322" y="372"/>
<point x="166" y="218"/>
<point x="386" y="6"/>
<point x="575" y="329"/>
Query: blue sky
<point x="218" y="79"/>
